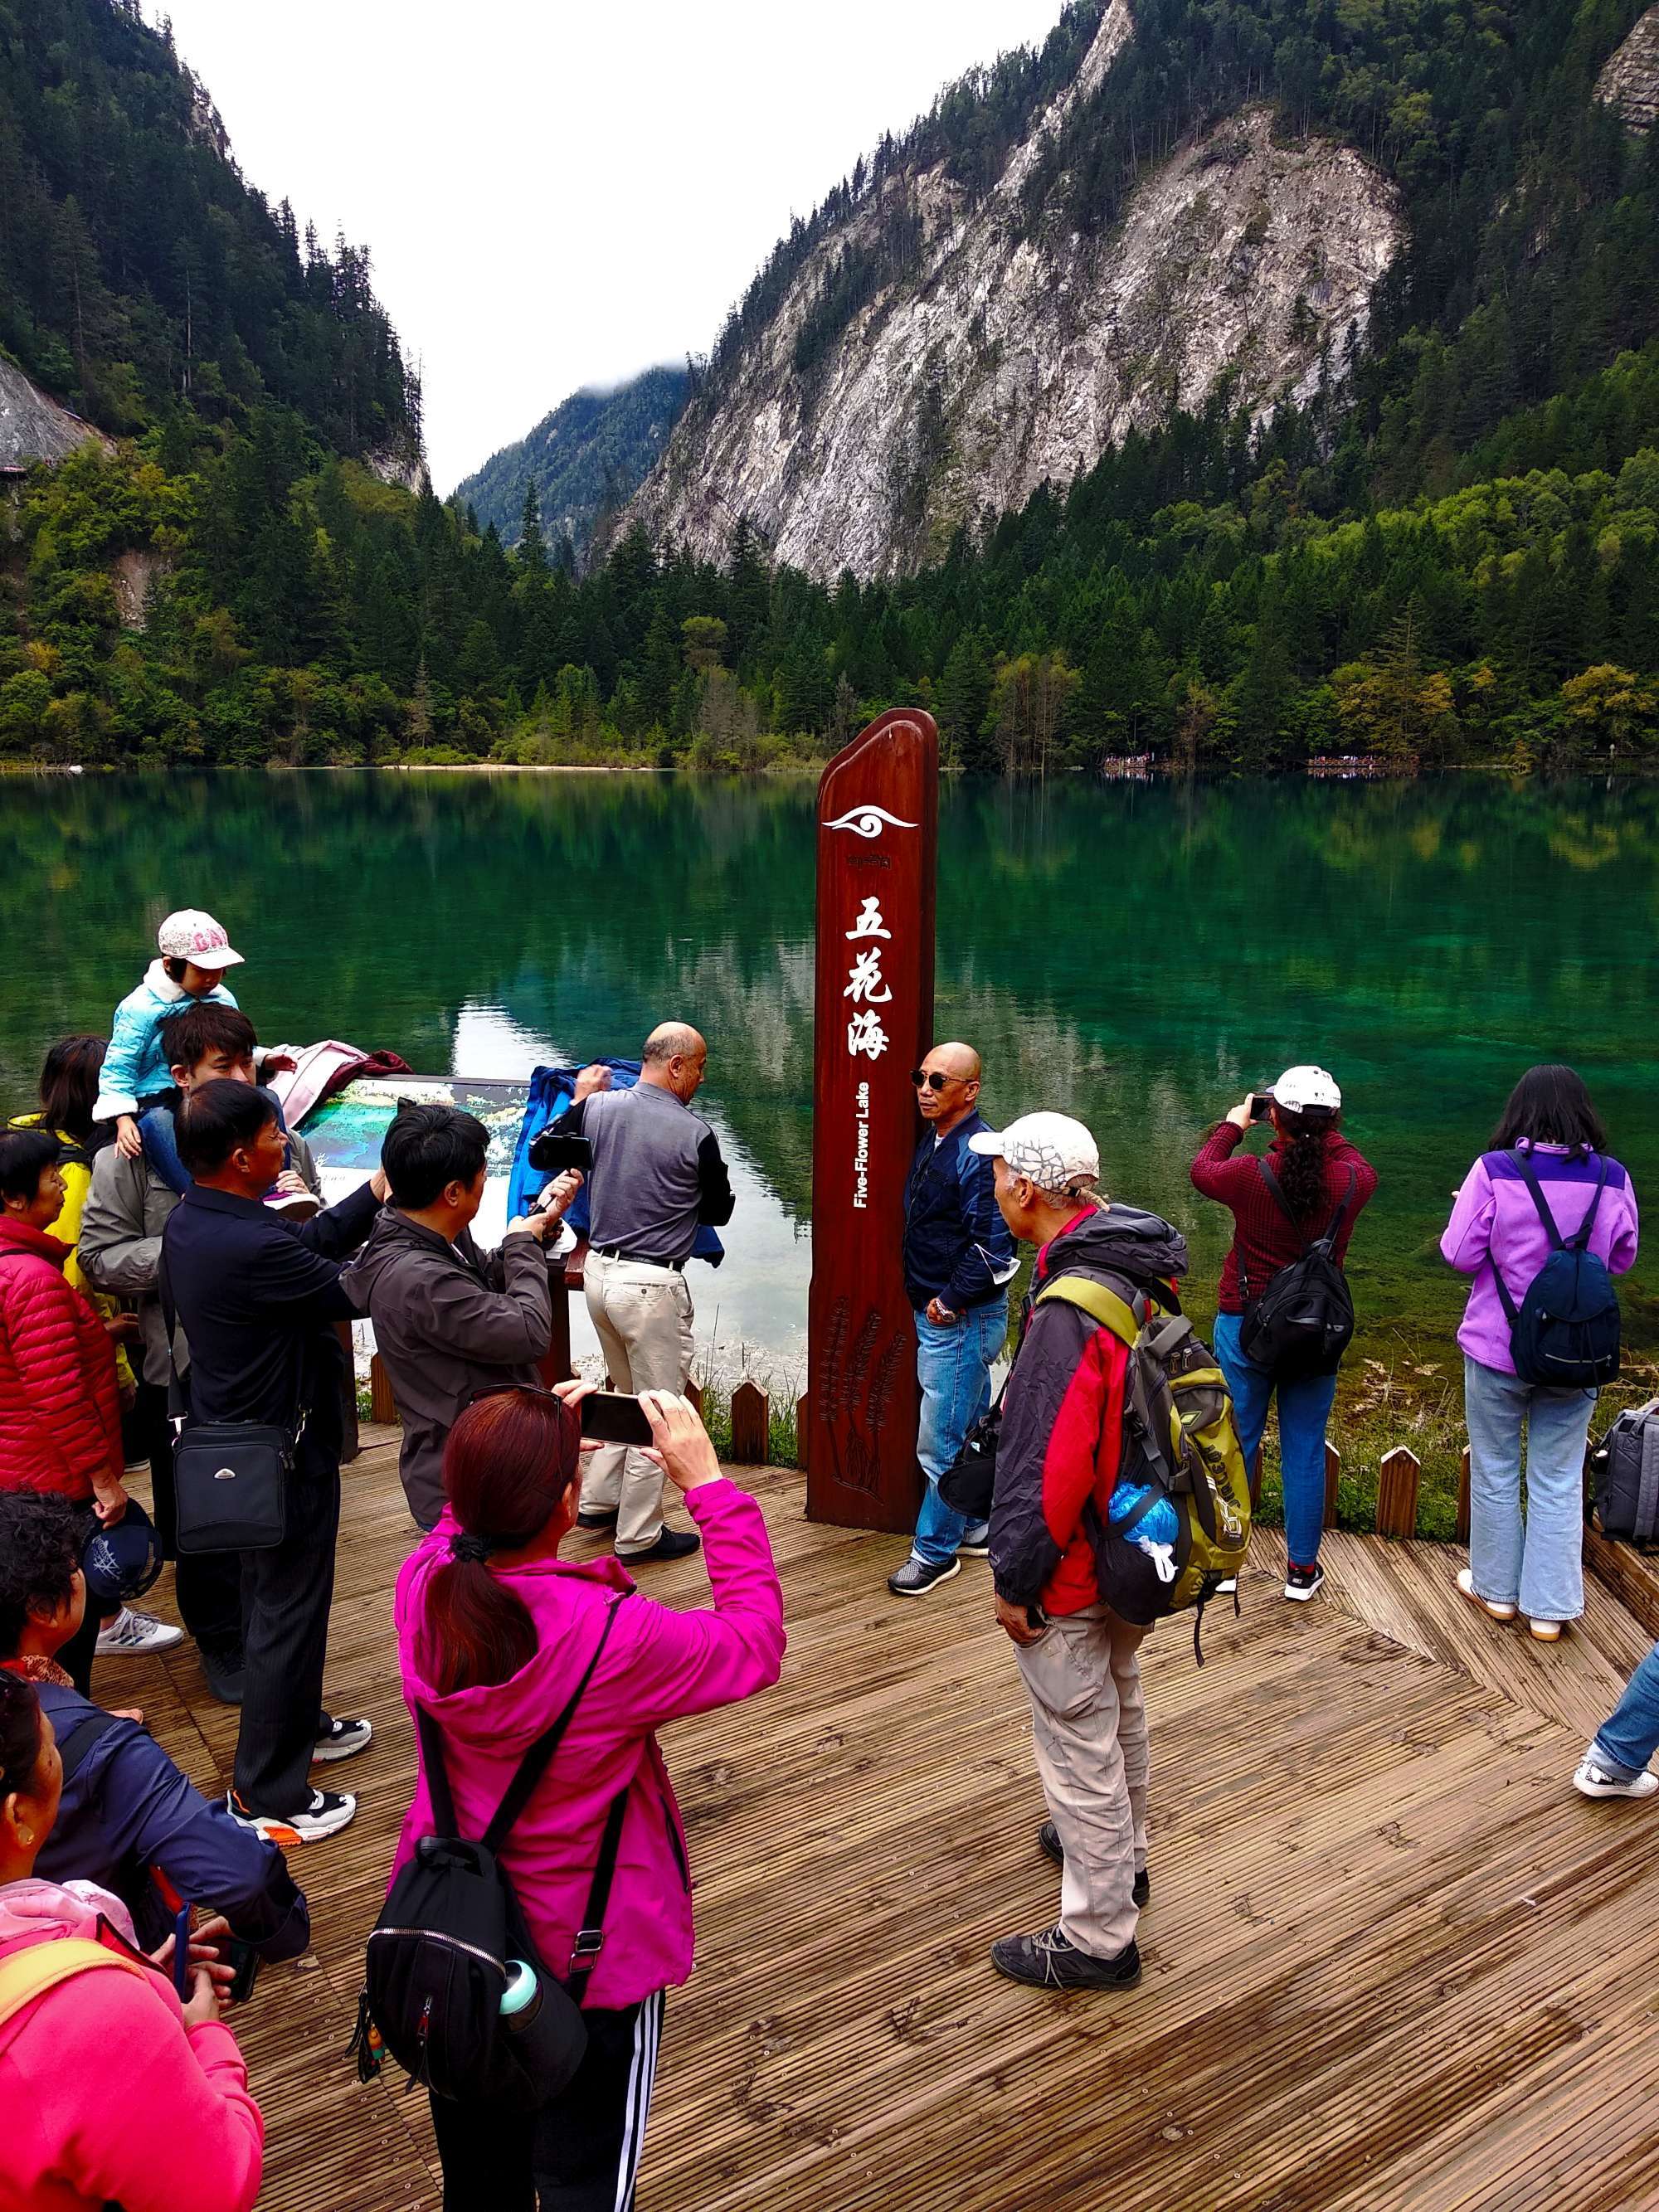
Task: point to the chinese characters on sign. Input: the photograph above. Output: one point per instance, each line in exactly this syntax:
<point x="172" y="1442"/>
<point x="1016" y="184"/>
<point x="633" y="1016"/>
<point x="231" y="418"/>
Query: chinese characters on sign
<point x="865" y="1033"/>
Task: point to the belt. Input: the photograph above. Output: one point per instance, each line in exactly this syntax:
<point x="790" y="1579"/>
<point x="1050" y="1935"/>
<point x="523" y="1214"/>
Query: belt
<point x="636" y="1259"/>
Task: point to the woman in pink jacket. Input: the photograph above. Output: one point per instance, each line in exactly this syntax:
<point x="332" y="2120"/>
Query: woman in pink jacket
<point x="495" y="1630"/>
<point x="1497" y="1234"/>
<point x="167" y="2125"/>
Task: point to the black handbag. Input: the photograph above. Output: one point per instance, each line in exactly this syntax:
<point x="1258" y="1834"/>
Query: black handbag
<point x="230" y="1478"/>
<point x="968" y="1483"/>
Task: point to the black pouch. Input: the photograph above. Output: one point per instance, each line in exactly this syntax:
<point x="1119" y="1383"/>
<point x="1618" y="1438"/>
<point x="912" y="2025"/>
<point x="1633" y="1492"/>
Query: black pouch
<point x="230" y="1482"/>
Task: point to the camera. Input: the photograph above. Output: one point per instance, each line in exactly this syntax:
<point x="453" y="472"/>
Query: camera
<point x="553" y="1152"/>
<point x="1261" y="1106"/>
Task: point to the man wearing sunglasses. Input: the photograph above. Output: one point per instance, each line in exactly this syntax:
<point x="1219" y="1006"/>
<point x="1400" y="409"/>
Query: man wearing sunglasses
<point x="958" y="1262"/>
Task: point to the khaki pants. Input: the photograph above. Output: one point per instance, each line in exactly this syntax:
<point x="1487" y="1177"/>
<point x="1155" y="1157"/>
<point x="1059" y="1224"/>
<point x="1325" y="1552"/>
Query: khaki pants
<point x="1088" y="1726"/>
<point x="642" y="1316"/>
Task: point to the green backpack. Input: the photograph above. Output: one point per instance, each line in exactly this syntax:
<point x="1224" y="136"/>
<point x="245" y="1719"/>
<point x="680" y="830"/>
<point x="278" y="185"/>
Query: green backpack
<point x="1178" y="1445"/>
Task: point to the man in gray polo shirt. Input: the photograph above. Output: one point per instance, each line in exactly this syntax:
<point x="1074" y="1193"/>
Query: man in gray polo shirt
<point x="657" y="1177"/>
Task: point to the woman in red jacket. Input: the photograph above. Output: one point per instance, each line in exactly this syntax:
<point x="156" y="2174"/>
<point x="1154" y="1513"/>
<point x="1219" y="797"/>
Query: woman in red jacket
<point x="60" y="1410"/>
<point x="1317" y="1170"/>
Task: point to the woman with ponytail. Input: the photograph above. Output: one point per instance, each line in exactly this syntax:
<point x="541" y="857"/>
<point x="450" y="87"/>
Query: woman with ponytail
<point x="495" y="1631"/>
<point x="1316" y="1171"/>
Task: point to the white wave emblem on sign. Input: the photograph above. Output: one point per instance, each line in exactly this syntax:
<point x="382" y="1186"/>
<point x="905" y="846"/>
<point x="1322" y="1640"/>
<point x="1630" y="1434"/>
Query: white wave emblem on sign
<point x="868" y="821"/>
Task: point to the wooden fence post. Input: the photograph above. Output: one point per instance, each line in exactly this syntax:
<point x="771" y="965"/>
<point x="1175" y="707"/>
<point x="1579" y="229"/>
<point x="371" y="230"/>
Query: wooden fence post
<point x="693" y="1394"/>
<point x="1396" y="1493"/>
<point x="751" y="1426"/>
<point x="1462" y="1528"/>
<point x="1333" y="1471"/>
<point x="382" y="1405"/>
<point x="801" y="1432"/>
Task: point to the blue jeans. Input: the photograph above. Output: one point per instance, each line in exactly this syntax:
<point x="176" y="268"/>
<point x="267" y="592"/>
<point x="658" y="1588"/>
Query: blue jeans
<point x="1629" y="1739"/>
<point x="1304" y="1412"/>
<point x="161" y="1141"/>
<point x="1539" y="1567"/>
<point x="953" y="1366"/>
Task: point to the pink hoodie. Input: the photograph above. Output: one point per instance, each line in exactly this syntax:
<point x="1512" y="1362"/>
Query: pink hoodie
<point x="168" y="2126"/>
<point x="658" y="1665"/>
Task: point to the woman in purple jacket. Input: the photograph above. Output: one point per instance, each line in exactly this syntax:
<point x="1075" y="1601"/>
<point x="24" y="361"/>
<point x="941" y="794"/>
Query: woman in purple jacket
<point x="495" y="1630"/>
<point x="1537" y="1568"/>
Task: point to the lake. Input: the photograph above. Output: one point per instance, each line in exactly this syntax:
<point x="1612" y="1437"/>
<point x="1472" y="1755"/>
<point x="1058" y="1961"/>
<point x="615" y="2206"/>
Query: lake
<point x="1137" y="955"/>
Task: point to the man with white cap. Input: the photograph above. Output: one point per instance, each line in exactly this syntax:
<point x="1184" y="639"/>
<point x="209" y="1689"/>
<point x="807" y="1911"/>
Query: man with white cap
<point x="1311" y="1182"/>
<point x="1059" y="1450"/>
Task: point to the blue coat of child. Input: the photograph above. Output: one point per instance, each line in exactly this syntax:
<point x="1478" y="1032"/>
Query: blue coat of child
<point x="135" y="1066"/>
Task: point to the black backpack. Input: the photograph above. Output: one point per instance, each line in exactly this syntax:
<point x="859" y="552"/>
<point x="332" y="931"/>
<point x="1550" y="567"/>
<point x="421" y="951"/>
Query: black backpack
<point x="1624" y="1477"/>
<point x="1302" y="1322"/>
<point x="440" y="1954"/>
<point x="1564" y="1333"/>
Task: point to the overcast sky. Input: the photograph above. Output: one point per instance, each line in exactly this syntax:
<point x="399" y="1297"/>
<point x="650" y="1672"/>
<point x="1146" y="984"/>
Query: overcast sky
<point x="560" y="194"/>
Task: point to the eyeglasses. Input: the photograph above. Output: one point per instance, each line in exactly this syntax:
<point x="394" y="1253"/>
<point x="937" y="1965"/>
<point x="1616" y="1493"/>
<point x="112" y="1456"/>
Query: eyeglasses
<point x="929" y="1079"/>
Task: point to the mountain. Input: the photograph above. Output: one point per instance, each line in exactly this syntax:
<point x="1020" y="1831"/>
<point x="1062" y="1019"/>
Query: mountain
<point x="585" y="460"/>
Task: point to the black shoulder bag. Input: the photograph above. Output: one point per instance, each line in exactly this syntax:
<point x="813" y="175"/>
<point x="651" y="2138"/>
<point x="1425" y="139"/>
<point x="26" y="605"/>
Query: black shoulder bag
<point x="230" y="1478"/>
<point x="450" y="1933"/>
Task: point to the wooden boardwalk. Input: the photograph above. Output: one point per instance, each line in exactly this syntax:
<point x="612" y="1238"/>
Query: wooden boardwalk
<point x="1392" y="1958"/>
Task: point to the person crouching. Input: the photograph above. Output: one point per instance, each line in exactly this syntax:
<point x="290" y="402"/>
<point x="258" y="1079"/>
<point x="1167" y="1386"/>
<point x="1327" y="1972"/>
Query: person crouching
<point x="1058" y="1454"/>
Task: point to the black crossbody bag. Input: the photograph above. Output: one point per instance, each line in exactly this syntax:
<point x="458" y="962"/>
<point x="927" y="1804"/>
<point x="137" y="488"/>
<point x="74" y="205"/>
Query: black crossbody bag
<point x="230" y="1478"/>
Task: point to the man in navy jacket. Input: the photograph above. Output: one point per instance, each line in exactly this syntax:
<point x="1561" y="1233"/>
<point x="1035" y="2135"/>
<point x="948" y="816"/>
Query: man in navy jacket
<point x="958" y="1263"/>
<point x="258" y="1296"/>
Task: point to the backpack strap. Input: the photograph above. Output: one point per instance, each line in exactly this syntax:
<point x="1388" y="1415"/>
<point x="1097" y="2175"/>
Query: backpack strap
<point x="1105" y="1307"/>
<point x="1523" y="1168"/>
<point x="1283" y="1204"/>
<point x="537" y="1760"/>
<point x="73" y="1750"/>
<point x="30" y="1973"/>
<point x="590" y="1936"/>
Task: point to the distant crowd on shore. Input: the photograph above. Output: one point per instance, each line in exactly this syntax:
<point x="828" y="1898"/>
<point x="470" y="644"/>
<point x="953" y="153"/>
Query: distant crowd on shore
<point x="171" y="1292"/>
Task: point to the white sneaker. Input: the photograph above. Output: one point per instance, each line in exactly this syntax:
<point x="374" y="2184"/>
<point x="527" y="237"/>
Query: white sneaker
<point x="132" y="1631"/>
<point x="1594" y="1780"/>
<point x="328" y="1811"/>
<point x="343" y="1739"/>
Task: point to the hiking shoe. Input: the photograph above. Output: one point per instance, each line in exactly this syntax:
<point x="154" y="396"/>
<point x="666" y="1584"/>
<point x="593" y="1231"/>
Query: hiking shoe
<point x="1047" y="1961"/>
<point x="1302" y="1582"/>
<point x="975" y="1542"/>
<point x="293" y="1204"/>
<point x="1049" y="1841"/>
<point x="131" y="1631"/>
<point x="597" y="1519"/>
<point x="224" y="1672"/>
<point x="339" y="1739"/>
<point x="327" y="1813"/>
<point x="1593" y="1779"/>
<point x="672" y="1544"/>
<point x="917" y="1576"/>
<point x="1492" y="1606"/>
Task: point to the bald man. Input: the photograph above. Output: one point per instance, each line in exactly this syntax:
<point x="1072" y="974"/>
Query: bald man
<point x="657" y="1177"/>
<point x="958" y="1263"/>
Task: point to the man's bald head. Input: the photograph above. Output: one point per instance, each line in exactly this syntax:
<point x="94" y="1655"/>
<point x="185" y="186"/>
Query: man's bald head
<point x="674" y="1059"/>
<point x="955" y="1060"/>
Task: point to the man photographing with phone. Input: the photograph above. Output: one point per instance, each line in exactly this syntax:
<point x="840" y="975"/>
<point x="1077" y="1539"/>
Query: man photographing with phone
<point x="451" y="1320"/>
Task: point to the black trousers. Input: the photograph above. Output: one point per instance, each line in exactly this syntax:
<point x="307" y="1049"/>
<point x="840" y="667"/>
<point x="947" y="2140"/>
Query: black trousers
<point x="581" y="2153"/>
<point x="75" y="1656"/>
<point x="286" y="1596"/>
<point x="209" y="1584"/>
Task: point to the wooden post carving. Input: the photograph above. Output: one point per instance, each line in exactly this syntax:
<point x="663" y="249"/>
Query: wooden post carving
<point x="751" y="1426"/>
<point x="1396" y="1493"/>
<point x="877" y="842"/>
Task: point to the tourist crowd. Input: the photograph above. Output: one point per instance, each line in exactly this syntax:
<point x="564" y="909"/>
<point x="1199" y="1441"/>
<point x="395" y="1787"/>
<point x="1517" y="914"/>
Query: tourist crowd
<point x="172" y="1295"/>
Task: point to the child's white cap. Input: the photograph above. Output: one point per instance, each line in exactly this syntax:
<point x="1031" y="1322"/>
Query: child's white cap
<point x="191" y="935"/>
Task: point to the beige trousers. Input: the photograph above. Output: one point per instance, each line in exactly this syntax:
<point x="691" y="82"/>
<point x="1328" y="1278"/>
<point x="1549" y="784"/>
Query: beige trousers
<point x="642" y="1316"/>
<point x="1088" y="1726"/>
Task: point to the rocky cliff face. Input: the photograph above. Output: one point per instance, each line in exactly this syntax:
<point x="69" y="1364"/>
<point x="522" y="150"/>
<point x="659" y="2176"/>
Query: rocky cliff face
<point x="1630" y="81"/>
<point x="33" y="427"/>
<point x="1007" y="353"/>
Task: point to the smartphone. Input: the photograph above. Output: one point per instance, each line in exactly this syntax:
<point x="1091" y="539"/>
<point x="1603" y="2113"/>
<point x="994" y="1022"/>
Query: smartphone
<point x="553" y="1152"/>
<point x="1261" y="1105"/>
<point x="245" y="1960"/>
<point x="609" y="1417"/>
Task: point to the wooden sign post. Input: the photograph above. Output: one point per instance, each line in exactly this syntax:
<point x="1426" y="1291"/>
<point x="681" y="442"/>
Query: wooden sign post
<point x="878" y="855"/>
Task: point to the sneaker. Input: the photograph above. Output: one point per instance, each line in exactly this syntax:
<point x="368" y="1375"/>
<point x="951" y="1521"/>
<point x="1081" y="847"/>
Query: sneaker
<point x="1593" y="1779"/>
<point x="1047" y="1961"/>
<point x="1227" y="1587"/>
<point x="131" y="1631"/>
<point x="338" y="1739"/>
<point x="327" y="1813"/>
<point x="1049" y="1841"/>
<point x="975" y="1542"/>
<point x="597" y="1519"/>
<point x="294" y="1206"/>
<point x="1302" y="1582"/>
<point x="1466" y="1585"/>
<point x="917" y="1576"/>
<point x="672" y="1544"/>
<point x="225" y="1673"/>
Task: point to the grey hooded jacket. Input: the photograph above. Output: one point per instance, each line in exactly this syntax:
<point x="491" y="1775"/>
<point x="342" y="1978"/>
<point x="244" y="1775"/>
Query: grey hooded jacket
<point x="448" y="1320"/>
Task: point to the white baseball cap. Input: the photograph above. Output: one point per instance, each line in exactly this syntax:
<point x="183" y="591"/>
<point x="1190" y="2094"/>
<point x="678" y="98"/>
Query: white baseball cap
<point x="1050" y="1150"/>
<point x="1302" y="1090"/>
<point x="191" y="935"/>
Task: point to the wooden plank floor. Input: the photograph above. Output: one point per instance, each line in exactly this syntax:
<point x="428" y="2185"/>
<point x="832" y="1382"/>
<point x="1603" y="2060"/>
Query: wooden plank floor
<point x="1392" y="1958"/>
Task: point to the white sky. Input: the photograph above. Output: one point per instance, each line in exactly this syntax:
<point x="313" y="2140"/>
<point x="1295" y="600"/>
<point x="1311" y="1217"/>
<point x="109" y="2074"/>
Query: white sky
<point x="560" y="194"/>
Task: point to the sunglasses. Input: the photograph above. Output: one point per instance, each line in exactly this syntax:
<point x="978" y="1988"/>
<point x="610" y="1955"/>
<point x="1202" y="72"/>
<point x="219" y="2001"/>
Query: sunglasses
<point x="929" y="1079"/>
<point x="507" y="1390"/>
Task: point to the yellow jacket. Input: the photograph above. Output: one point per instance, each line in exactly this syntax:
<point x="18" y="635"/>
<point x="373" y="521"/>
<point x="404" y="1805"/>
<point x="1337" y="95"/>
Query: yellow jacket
<point x="74" y="1165"/>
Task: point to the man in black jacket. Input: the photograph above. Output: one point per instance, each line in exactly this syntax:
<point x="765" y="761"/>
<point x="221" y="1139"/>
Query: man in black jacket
<point x="258" y="1297"/>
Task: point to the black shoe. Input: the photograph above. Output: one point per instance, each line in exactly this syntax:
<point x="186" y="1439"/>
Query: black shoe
<point x="672" y="1544"/>
<point x="1048" y="1840"/>
<point x="1302" y="1582"/>
<point x="597" y="1519"/>
<point x="917" y="1576"/>
<point x="341" y="1739"/>
<point x="1047" y="1961"/>
<point x="224" y="1672"/>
